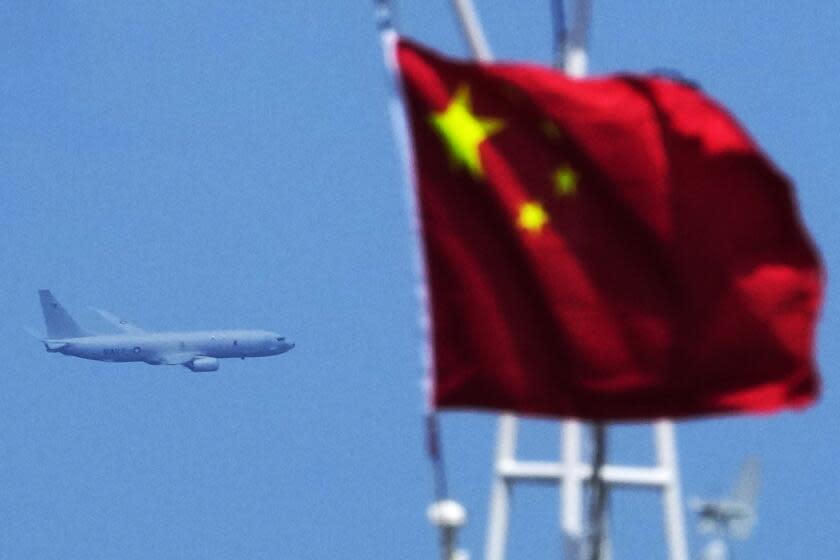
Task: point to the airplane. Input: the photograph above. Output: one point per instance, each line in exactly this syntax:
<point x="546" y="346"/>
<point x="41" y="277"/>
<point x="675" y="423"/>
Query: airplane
<point x="196" y="350"/>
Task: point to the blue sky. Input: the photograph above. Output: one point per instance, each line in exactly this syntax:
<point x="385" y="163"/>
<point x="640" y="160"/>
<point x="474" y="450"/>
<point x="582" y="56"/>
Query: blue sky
<point x="199" y="165"/>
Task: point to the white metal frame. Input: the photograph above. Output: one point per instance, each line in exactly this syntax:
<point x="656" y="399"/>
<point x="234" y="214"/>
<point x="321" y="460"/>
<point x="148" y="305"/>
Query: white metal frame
<point x="571" y="473"/>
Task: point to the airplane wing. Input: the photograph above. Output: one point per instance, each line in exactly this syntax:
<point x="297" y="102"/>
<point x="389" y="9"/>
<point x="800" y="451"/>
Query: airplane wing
<point x="178" y="358"/>
<point x="121" y="324"/>
<point x="191" y="361"/>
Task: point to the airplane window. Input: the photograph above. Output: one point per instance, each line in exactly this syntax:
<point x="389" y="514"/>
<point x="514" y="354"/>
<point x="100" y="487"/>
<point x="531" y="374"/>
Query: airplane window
<point x="280" y="338"/>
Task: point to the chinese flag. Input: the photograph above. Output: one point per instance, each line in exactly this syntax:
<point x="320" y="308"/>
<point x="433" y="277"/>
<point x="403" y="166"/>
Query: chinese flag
<point x="610" y="248"/>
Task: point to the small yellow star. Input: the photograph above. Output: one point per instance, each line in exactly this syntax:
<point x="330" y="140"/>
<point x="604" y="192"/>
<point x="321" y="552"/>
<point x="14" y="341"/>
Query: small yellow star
<point x="532" y="217"/>
<point x="463" y="132"/>
<point x="550" y="129"/>
<point x="565" y="181"/>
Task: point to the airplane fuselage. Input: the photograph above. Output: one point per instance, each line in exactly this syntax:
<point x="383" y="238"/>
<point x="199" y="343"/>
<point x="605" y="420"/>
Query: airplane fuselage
<point x="165" y="347"/>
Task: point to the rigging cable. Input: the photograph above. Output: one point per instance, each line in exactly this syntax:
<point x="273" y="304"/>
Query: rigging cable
<point x="599" y="494"/>
<point x="384" y="15"/>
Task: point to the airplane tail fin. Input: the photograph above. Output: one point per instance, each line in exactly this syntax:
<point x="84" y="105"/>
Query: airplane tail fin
<point x="59" y="323"/>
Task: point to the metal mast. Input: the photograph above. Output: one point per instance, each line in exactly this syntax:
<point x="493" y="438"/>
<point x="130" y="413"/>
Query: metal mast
<point x="571" y="473"/>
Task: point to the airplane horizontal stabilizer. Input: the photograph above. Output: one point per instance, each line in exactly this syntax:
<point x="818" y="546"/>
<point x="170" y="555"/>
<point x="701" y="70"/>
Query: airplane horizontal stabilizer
<point x="54" y="345"/>
<point x="121" y="324"/>
<point x="33" y="333"/>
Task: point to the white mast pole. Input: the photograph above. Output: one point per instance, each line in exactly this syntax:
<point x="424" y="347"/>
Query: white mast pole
<point x="574" y="64"/>
<point x="572" y="486"/>
<point x="471" y="27"/>
<point x="666" y="452"/>
<point x="498" y="518"/>
<point x="571" y="489"/>
<point x="497" y="526"/>
<point x="572" y="473"/>
<point x="575" y="59"/>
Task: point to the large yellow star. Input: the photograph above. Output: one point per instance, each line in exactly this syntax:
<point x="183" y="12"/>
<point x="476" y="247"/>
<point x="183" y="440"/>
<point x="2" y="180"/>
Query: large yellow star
<point x="463" y="132"/>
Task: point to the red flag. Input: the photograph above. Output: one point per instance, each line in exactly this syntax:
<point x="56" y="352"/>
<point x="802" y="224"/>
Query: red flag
<point x="611" y="248"/>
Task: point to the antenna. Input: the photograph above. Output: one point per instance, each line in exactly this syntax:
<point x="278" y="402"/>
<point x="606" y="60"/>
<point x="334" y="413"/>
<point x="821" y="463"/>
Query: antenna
<point x="730" y="517"/>
<point x="448" y="516"/>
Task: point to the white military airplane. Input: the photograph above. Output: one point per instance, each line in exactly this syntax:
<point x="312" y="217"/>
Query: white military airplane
<point x="196" y="350"/>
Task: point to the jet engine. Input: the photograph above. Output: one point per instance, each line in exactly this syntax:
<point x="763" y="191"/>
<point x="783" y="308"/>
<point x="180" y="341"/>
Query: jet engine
<point x="204" y="364"/>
